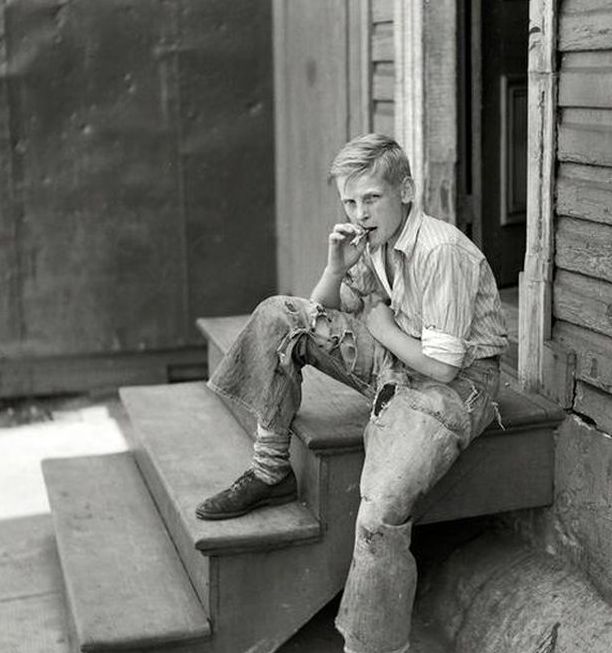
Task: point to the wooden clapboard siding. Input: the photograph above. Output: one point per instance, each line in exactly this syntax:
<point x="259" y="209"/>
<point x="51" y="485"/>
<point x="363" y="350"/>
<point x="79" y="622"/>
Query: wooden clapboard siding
<point x="585" y="136"/>
<point x="593" y="359"/>
<point x="383" y="118"/>
<point x="585" y="25"/>
<point x="583" y="301"/>
<point x="585" y="192"/>
<point x="582" y="294"/>
<point x="382" y="41"/>
<point x="586" y="80"/>
<point x="595" y="404"/>
<point x="584" y="247"/>
<point x="382" y="66"/>
<point x="382" y="11"/>
<point x="383" y="79"/>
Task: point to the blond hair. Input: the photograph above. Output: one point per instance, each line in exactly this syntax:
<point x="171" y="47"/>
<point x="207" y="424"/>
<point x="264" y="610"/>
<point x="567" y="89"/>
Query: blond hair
<point x="371" y="153"/>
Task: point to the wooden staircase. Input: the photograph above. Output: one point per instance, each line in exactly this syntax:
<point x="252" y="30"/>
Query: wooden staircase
<point x="143" y="574"/>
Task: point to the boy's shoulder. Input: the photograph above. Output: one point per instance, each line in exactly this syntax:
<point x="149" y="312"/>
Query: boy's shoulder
<point x="436" y="234"/>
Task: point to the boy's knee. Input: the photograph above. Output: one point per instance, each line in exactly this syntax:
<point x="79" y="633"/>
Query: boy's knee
<point x="376" y="514"/>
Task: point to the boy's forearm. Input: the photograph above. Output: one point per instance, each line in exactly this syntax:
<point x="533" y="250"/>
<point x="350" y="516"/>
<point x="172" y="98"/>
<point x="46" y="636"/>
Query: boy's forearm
<point x="327" y="290"/>
<point x="409" y="350"/>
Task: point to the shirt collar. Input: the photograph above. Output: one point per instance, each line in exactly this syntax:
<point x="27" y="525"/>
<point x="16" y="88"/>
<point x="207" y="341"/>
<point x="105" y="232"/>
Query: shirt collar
<point x="407" y="238"/>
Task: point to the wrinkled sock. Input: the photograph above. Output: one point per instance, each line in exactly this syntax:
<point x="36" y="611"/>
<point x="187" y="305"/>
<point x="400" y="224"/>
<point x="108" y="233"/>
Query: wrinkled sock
<point x="271" y="456"/>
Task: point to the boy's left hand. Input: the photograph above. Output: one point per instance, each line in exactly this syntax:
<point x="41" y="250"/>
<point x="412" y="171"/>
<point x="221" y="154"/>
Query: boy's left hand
<point x="381" y="321"/>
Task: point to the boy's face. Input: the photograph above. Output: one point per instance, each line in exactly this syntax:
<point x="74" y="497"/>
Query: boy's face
<point x="371" y="201"/>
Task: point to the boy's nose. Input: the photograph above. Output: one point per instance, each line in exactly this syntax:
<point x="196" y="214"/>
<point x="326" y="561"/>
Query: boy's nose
<point x="362" y="212"/>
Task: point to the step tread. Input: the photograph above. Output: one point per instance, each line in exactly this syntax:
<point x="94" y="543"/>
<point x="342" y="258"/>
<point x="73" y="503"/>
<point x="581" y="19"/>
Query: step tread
<point x="195" y="448"/>
<point x="125" y="583"/>
<point x="332" y="415"/>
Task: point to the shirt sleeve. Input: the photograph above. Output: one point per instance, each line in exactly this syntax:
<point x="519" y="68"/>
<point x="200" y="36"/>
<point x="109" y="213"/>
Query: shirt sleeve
<point x="450" y="286"/>
<point x="359" y="282"/>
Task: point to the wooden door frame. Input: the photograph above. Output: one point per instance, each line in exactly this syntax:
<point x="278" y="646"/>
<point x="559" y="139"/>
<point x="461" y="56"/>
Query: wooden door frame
<point x="415" y="76"/>
<point x="535" y="282"/>
<point x="426" y="67"/>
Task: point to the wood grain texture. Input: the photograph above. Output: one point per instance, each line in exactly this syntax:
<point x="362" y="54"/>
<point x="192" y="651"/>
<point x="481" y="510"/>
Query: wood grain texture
<point x="194" y="449"/>
<point x="587" y="140"/>
<point x="592" y="350"/>
<point x="585" y="87"/>
<point x="383" y="118"/>
<point x="583" y="301"/>
<point x="137" y="594"/>
<point x="585" y="26"/>
<point x="596" y="404"/>
<point x="535" y="281"/>
<point x="311" y="55"/>
<point x="383" y="82"/>
<point x="78" y="374"/>
<point x="382" y="42"/>
<point x="584" y="247"/>
<point x="585" y="192"/>
<point x="382" y="11"/>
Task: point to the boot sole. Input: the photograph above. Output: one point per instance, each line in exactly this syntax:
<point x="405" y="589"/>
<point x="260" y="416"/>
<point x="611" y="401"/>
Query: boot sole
<point x="270" y="501"/>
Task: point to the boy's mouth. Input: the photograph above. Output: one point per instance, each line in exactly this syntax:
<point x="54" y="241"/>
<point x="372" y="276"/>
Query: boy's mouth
<point x="364" y="233"/>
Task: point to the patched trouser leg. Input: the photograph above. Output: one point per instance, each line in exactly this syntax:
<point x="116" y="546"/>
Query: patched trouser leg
<point x="262" y="369"/>
<point x="414" y="436"/>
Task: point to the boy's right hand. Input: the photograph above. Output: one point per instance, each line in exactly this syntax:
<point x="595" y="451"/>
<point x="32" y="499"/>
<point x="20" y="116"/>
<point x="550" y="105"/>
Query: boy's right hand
<point x="342" y="254"/>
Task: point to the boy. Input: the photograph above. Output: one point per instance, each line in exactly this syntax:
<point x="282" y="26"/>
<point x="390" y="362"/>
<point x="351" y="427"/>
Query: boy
<point x="408" y="313"/>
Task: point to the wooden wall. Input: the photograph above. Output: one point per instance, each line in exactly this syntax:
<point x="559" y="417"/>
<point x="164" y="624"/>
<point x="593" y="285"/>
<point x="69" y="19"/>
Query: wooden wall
<point x="136" y="175"/>
<point x="382" y="67"/>
<point x="582" y="290"/>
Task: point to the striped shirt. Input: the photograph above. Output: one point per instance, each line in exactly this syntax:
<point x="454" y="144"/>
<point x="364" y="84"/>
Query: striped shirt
<point x="444" y="292"/>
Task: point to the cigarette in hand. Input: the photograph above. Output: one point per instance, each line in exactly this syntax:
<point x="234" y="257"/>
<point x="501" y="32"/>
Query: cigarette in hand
<point x="363" y="232"/>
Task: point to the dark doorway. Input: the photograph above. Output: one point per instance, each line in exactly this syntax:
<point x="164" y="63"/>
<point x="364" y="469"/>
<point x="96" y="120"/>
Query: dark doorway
<point x="493" y="133"/>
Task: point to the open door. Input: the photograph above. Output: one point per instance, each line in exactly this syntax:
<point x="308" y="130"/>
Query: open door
<point x="494" y="89"/>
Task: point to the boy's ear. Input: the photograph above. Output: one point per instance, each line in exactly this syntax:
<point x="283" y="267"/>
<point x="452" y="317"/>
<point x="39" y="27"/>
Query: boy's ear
<point x="407" y="190"/>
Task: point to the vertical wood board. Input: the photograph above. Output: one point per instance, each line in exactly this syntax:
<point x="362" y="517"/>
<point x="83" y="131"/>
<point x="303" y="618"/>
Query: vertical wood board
<point x="312" y="51"/>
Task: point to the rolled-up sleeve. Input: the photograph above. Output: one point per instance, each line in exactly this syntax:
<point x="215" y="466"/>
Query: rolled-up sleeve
<point x="450" y="286"/>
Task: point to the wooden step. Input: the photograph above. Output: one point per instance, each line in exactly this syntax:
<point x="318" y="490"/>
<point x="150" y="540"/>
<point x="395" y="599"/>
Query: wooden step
<point x="262" y="575"/>
<point x="504" y="469"/>
<point x="126" y="587"/>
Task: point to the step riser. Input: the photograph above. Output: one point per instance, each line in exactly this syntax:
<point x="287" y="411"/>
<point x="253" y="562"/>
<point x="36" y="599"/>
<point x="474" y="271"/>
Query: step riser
<point x="265" y="580"/>
<point x="195" y="563"/>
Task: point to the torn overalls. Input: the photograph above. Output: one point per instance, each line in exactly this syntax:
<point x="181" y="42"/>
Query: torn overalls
<point x="417" y="429"/>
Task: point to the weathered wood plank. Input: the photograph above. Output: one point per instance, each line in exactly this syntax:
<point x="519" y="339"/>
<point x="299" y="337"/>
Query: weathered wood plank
<point x="583" y="301"/>
<point x="586" y="88"/>
<point x="595" y="404"/>
<point x="558" y="373"/>
<point x="59" y="375"/>
<point x="137" y="593"/>
<point x="194" y="448"/>
<point x="382" y="42"/>
<point x="584" y="247"/>
<point x="383" y="81"/>
<point x="586" y="28"/>
<point x="593" y="360"/>
<point x="312" y="51"/>
<point x="585" y="143"/>
<point x="358" y="67"/>
<point x="535" y="281"/>
<point x="585" y="192"/>
<point x="382" y="11"/>
<point x="383" y="118"/>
